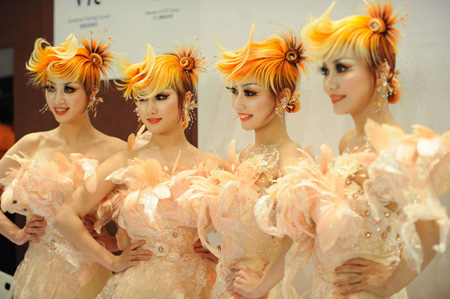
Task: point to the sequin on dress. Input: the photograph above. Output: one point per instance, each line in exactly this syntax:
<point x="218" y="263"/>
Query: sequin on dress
<point x="54" y="267"/>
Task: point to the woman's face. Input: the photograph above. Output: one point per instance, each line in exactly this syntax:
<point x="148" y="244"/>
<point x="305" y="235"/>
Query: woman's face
<point x="160" y="113"/>
<point x="253" y="103"/>
<point x="349" y="83"/>
<point x="66" y="99"/>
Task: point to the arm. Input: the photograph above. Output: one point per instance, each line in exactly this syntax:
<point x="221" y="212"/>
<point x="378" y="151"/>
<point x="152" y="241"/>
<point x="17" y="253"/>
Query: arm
<point x="254" y="284"/>
<point x="376" y="278"/>
<point x="33" y="229"/>
<point x="69" y="221"/>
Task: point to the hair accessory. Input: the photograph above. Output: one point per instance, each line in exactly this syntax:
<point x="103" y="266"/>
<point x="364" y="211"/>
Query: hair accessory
<point x="44" y="109"/>
<point x="290" y="105"/>
<point x="293" y="56"/>
<point x="188" y="110"/>
<point x="94" y="101"/>
<point x="187" y="63"/>
<point x="377" y="25"/>
<point x="96" y="59"/>
<point x="386" y="87"/>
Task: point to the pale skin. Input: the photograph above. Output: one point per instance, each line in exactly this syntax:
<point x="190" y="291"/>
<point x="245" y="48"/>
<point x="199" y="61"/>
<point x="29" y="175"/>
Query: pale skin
<point x="255" y="107"/>
<point x="74" y="134"/>
<point x="352" y="88"/>
<point x="161" y="116"/>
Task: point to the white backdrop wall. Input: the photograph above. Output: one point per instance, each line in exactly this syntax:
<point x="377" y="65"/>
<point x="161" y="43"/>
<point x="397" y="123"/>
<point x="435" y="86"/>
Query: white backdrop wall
<point x="423" y="62"/>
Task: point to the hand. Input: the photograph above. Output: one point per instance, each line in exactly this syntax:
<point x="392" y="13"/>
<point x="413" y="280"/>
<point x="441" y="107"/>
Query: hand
<point x="31" y="231"/>
<point x="130" y="257"/>
<point x="370" y="277"/>
<point x="104" y="238"/>
<point x="244" y="281"/>
<point x="204" y="252"/>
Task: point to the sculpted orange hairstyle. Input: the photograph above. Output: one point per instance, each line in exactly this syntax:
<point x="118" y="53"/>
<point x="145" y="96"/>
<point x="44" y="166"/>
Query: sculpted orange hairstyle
<point x="83" y="64"/>
<point x="274" y="62"/>
<point x="372" y="37"/>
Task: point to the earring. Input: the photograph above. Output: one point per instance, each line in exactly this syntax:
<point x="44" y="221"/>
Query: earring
<point x="188" y="111"/>
<point x="137" y="113"/>
<point x="44" y="109"/>
<point x="383" y="88"/>
<point x="94" y="101"/>
<point x="289" y="105"/>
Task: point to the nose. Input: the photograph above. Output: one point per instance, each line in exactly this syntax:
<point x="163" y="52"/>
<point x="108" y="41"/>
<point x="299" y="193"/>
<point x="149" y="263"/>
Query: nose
<point x="330" y="82"/>
<point x="238" y="102"/>
<point x="151" y="107"/>
<point x="59" y="97"/>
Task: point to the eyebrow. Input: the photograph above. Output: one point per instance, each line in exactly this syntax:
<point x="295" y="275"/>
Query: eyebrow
<point x="49" y="81"/>
<point x="248" y="84"/>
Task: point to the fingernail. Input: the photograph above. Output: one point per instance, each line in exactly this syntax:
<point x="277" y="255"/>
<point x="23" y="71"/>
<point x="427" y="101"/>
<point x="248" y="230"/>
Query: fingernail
<point x="335" y="270"/>
<point x="335" y="283"/>
<point x="344" y="264"/>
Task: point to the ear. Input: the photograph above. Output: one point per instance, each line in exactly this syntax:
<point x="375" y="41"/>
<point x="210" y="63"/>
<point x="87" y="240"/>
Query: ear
<point x="94" y="93"/>
<point x="187" y="97"/>
<point x="285" y="94"/>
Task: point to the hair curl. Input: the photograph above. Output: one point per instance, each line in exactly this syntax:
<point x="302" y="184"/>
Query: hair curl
<point x="84" y="64"/>
<point x="177" y="70"/>
<point x="372" y="38"/>
<point x="274" y="62"/>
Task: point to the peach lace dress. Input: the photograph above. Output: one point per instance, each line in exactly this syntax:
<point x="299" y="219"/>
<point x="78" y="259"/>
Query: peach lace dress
<point x="340" y="214"/>
<point x="227" y="203"/>
<point x="149" y="207"/>
<point x="52" y="268"/>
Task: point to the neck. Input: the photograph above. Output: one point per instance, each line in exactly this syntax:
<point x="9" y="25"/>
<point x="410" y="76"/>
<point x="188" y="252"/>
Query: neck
<point x="173" y="139"/>
<point x="383" y="116"/>
<point x="76" y="131"/>
<point x="272" y="133"/>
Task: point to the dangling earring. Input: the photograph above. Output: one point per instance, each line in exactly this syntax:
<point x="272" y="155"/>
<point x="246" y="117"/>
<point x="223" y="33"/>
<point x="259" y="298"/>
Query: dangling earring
<point x="93" y="100"/>
<point x="137" y="113"/>
<point x="383" y="88"/>
<point x="289" y="105"/>
<point x="44" y="109"/>
<point x="188" y="111"/>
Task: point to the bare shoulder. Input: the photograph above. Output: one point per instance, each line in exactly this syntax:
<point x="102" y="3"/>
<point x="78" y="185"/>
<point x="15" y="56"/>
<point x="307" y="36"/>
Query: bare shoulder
<point x="106" y="146"/>
<point x="289" y="153"/>
<point x="345" y="139"/>
<point x="28" y="144"/>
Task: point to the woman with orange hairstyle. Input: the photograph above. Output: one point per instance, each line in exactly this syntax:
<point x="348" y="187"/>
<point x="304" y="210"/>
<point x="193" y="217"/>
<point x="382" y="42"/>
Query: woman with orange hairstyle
<point x="42" y="169"/>
<point x="263" y="79"/>
<point x="376" y="211"/>
<point x="148" y="207"/>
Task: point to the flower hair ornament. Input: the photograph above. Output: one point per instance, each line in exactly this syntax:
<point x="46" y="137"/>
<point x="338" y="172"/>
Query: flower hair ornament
<point x="188" y="110"/>
<point x="382" y="21"/>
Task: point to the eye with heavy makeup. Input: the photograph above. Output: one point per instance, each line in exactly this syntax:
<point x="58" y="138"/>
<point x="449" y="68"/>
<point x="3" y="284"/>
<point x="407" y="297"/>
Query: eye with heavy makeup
<point x="339" y="67"/>
<point x="247" y="92"/>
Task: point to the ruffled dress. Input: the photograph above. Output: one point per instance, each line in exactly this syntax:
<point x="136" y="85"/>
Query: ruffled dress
<point x="342" y="213"/>
<point x="227" y="203"/>
<point x="149" y="207"/>
<point x="54" y="267"/>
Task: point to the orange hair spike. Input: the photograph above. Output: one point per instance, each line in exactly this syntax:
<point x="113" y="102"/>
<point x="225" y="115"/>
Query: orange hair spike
<point x="275" y="62"/>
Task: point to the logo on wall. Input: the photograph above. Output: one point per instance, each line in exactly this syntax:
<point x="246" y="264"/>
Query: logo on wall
<point x="97" y="2"/>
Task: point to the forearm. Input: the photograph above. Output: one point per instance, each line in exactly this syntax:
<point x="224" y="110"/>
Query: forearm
<point x="275" y="271"/>
<point x="72" y="227"/>
<point x="403" y="275"/>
